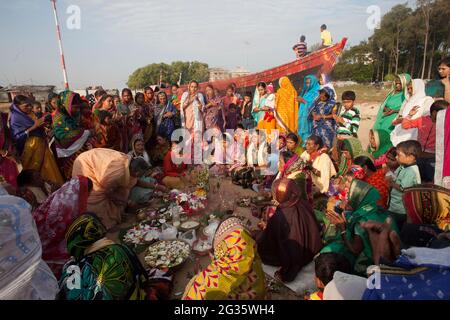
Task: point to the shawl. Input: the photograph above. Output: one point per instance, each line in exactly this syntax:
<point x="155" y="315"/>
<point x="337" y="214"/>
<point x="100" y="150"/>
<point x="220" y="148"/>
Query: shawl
<point x="418" y="98"/>
<point x="383" y="142"/>
<point x="286" y="106"/>
<point x="19" y="122"/>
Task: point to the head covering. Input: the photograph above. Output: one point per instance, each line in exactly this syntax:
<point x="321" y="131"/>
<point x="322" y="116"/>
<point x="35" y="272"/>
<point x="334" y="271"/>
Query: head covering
<point x="67" y="99"/>
<point x="84" y="231"/>
<point x="133" y="154"/>
<point x="309" y="94"/>
<point x="354" y="147"/>
<point x="286" y="106"/>
<point x="55" y="215"/>
<point x="383" y="143"/>
<point x="418" y="98"/>
<point x="66" y="124"/>
<point x="23" y="274"/>
<point x="286" y="192"/>
<point x="313" y="86"/>
<point x="362" y="194"/>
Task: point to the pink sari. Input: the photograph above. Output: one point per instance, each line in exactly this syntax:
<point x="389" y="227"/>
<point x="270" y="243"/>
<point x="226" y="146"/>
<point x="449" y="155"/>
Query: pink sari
<point x="442" y="172"/>
<point x="55" y="215"/>
<point x="8" y="168"/>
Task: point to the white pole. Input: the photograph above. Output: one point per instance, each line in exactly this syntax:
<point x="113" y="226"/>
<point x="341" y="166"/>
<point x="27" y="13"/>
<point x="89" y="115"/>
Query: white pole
<point x="58" y="32"/>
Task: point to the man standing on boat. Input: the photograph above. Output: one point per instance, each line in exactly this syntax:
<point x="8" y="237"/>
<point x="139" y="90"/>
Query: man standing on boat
<point x="300" y="48"/>
<point x="325" y="35"/>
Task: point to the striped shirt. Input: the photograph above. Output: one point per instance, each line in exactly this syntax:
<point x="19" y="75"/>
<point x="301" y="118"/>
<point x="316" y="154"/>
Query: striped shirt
<point x="300" y="49"/>
<point x="351" y="121"/>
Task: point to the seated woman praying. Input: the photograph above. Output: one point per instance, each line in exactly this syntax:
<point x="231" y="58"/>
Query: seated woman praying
<point x="159" y="151"/>
<point x="294" y="143"/>
<point x="380" y="143"/>
<point x="292" y="237"/>
<point x="138" y="149"/>
<point x="145" y="187"/>
<point x="322" y="166"/>
<point x="352" y="240"/>
<point x="109" y="271"/>
<point x="174" y="174"/>
<point x="235" y="272"/>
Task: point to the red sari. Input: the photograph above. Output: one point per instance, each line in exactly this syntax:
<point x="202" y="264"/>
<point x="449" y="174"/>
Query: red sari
<point x="54" y="217"/>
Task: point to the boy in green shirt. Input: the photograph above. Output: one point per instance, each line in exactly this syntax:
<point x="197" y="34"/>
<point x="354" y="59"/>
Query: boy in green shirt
<point x="406" y="176"/>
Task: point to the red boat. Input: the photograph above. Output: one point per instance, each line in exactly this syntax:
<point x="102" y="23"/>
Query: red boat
<point x="317" y="62"/>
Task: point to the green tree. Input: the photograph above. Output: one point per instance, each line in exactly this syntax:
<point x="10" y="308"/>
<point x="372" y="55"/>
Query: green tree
<point x="156" y="72"/>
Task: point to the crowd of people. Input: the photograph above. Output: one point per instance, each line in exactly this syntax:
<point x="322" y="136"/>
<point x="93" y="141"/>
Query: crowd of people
<point x="84" y="161"/>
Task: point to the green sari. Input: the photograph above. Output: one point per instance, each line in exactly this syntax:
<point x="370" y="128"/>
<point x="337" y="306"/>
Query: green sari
<point x="354" y="146"/>
<point x="393" y="101"/>
<point x="363" y="199"/>
<point x="383" y="143"/>
<point x="108" y="271"/>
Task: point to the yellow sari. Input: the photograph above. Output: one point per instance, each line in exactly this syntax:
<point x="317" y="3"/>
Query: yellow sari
<point x="235" y="272"/>
<point x="286" y="107"/>
<point x="37" y="156"/>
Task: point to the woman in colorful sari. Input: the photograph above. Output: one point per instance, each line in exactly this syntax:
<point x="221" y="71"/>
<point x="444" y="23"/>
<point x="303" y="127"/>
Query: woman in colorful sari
<point x="8" y="165"/>
<point x="192" y="108"/>
<point x="164" y="116"/>
<point x="71" y="138"/>
<point x="235" y="272"/>
<point x="286" y="107"/>
<point x="292" y="236"/>
<point x="55" y="215"/>
<point x="418" y="102"/>
<point x="349" y="148"/>
<point x="309" y="94"/>
<point x="391" y="106"/>
<point x="379" y="145"/>
<point x="322" y="167"/>
<point x="214" y="114"/>
<point x="321" y="113"/>
<point x="159" y="151"/>
<point x="442" y="173"/>
<point x="113" y="175"/>
<point x="31" y="144"/>
<point x="352" y="240"/>
<point x="108" y="271"/>
<point x="24" y="275"/>
<point x="263" y="107"/>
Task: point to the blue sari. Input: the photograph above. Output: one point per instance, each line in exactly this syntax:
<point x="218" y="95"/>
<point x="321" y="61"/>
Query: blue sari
<point x="165" y="126"/>
<point x="324" y="128"/>
<point x="310" y="94"/>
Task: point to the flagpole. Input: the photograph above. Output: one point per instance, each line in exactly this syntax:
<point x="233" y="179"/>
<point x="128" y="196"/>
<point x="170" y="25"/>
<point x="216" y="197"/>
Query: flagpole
<point x="58" y="32"/>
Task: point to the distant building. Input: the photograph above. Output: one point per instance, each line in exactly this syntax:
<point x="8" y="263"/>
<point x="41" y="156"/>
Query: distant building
<point x="239" y="72"/>
<point x="216" y="74"/>
<point x="40" y="93"/>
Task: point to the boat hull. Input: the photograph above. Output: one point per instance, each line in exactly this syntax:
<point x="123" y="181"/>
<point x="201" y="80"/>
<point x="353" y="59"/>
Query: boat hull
<point x="321" y="61"/>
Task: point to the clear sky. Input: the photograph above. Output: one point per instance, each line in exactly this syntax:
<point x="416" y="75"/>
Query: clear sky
<point x="116" y="37"/>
